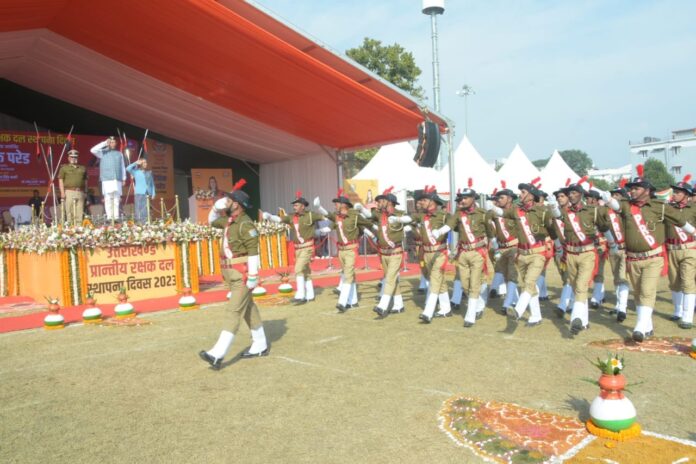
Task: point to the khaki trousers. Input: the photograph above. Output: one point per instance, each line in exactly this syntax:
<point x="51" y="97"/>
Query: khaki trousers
<point x="599" y="277"/>
<point x="74" y="206"/>
<point x="506" y="264"/>
<point x="347" y="259"/>
<point x="580" y="267"/>
<point x="617" y="261"/>
<point x="562" y="269"/>
<point x="470" y="267"/>
<point x="529" y="268"/>
<point x="303" y="257"/>
<point x="391" y="265"/>
<point x="434" y="261"/>
<point x="682" y="270"/>
<point x="241" y="304"/>
<point x="644" y="276"/>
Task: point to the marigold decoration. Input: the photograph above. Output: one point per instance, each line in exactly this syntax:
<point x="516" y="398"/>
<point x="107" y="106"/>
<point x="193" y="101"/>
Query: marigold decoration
<point x="611" y="410"/>
<point x="8" y="273"/>
<point x="74" y="275"/>
<point x="692" y="353"/>
<point x="53" y="319"/>
<point x="185" y="264"/>
<point x="187" y="302"/>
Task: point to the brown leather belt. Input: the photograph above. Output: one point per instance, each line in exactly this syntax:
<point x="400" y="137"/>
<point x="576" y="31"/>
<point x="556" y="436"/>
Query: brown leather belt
<point x="681" y="246"/>
<point x="640" y="255"/>
<point x="348" y="246"/>
<point x="390" y="251"/>
<point x="307" y="244"/>
<point x="578" y="249"/>
<point x="472" y="246"/>
<point x="505" y="245"/>
<point x="435" y="248"/>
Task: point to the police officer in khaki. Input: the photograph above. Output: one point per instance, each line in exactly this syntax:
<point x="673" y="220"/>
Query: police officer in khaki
<point x="645" y="219"/>
<point x="560" y="256"/>
<point x="580" y="229"/>
<point x="504" y="244"/>
<point x="592" y="199"/>
<point x="347" y="223"/>
<point x="681" y="250"/>
<point x="533" y="223"/>
<point x="239" y="263"/>
<point x="302" y="223"/>
<point x="471" y="258"/>
<point x="432" y="226"/>
<point x="388" y="223"/>
<point x="72" y="182"/>
<point x="617" y="253"/>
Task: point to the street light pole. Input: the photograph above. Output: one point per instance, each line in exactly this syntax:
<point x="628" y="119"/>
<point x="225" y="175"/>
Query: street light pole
<point x="433" y="8"/>
<point x="465" y="91"/>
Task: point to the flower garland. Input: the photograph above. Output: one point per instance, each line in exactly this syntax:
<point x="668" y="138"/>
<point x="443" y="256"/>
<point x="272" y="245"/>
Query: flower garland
<point x="199" y="255"/>
<point x="623" y="435"/>
<point x="3" y="274"/>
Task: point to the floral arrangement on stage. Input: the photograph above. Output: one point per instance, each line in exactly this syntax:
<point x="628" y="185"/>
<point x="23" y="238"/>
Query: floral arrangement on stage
<point x="201" y="194"/>
<point x="42" y="239"/>
<point x="271" y="228"/>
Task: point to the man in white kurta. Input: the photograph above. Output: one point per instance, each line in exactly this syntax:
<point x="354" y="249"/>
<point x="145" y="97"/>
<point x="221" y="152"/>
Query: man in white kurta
<point x="112" y="173"/>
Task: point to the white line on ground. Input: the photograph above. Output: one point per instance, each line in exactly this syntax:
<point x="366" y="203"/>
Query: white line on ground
<point x="327" y="340"/>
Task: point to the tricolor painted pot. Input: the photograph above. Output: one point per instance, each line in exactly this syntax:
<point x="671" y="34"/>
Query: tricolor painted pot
<point x="188" y="303"/>
<point x="285" y="289"/>
<point x="124" y="310"/>
<point x="258" y="292"/>
<point x="693" y="345"/>
<point x="92" y="316"/>
<point x="54" y="321"/>
<point x="611" y="410"/>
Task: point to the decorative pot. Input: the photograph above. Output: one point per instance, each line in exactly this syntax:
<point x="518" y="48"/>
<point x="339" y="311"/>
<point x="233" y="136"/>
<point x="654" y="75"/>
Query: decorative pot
<point x="612" y="386"/>
<point x="188" y="301"/>
<point x="611" y="410"/>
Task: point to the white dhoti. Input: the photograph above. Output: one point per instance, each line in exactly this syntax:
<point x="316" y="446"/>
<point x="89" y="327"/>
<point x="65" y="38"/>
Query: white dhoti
<point x="112" y="190"/>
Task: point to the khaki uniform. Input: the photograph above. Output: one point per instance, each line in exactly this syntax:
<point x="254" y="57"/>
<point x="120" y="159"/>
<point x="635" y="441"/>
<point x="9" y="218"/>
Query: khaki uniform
<point x="348" y="231"/>
<point x="434" y="249"/>
<point x="302" y="226"/>
<point x="644" y="252"/>
<point x="505" y="231"/>
<point x="533" y="226"/>
<point x="389" y="242"/>
<point x="561" y="259"/>
<point x="580" y="230"/>
<point x="617" y="258"/>
<point x="74" y="177"/>
<point x="242" y="241"/>
<point x="681" y="251"/>
<point x="471" y="258"/>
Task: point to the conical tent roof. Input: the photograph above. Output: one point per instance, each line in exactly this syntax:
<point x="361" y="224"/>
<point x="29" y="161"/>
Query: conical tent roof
<point x="393" y="165"/>
<point x="468" y="162"/>
<point x="518" y="169"/>
<point x="556" y="173"/>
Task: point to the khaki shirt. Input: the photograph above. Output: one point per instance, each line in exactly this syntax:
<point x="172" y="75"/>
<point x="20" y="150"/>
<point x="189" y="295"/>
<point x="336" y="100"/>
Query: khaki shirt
<point x="73" y="176"/>
<point x="305" y="223"/>
<point x="499" y="226"/>
<point x="539" y="220"/>
<point x="689" y="215"/>
<point x="394" y="232"/>
<point x="242" y="236"/>
<point x="351" y="224"/>
<point x="657" y="215"/>
<point x="587" y="218"/>
<point x="476" y="220"/>
<point x="435" y="220"/>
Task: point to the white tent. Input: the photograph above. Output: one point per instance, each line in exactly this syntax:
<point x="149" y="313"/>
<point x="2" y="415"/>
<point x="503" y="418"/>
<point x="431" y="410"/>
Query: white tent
<point x="556" y="173"/>
<point x="518" y="169"/>
<point x="468" y="162"/>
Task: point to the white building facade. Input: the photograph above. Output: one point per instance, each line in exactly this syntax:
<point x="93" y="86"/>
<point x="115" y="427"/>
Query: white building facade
<point x="678" y="152"/>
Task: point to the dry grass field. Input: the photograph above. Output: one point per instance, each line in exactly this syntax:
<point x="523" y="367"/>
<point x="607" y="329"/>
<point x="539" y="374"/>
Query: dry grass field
<point x="336" y="387"/>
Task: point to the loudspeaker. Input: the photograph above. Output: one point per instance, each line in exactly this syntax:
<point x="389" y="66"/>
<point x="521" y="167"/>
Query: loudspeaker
<point x="428" y="144"/>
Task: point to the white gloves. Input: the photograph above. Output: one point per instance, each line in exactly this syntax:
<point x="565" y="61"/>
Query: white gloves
<point x="325" y="230"/>
<point x="488" y="205"/>
<point x="364" y="212"/>
<point x="407" y="228"/>
<point x="437" y="233"/>
<point x="216" y="211"/>
<point x="493" y="243"/>
<point x="253" y="263"/>
<point x="689" y="229"/>
<point x="358" y="206"/>
<point x="321" y="210"/>
<point x="266" y="216"/>
<point x="555" y="210"/>
<point x="369" y="235"/>
<point x="317" y="202"/>
<point x="270" y="217"/>
<point x="399" y="219"/>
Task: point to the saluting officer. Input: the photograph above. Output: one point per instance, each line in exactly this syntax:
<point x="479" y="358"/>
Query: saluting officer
<point x="682" y="257"/>
<point x="72" y="181"/>
<point x="239" y="263"/>
<point x="617" y="253"/>
<point x="433" y="228"/>
<point x="644" y="222"/>
<point x="471" y="259"/>
<point x="533" y="225"/>
<point x="302" y="223"/>
<point x="347" y="222"/>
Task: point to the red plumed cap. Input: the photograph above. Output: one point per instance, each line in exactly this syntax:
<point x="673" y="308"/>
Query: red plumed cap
<point x="639" y="170"/>
<point x="240" y="183"/>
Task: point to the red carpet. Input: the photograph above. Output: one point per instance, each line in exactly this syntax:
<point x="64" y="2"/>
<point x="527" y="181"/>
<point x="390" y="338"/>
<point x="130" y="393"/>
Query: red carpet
<point x="325" y="278"/>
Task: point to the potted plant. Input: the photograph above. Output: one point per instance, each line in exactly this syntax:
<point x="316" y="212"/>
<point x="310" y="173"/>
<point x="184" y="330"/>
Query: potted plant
<point x="53" y="319"/>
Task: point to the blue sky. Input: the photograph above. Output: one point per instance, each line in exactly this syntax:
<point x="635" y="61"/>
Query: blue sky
<point x="548" y="75"/>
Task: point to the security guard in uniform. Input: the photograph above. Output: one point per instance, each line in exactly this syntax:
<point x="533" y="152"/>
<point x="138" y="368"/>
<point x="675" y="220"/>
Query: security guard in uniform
<point x="617" y="253"/>
<point x="592" y="199"/>
<point x="347" y="222"/>
<point x="239" y="263"/>
<point x="72" y="181"/>
<point x="471" y="258"/>
<point x="302" y="223"/>
<point x="644" y="221"/>
<point x="560" y="256"/>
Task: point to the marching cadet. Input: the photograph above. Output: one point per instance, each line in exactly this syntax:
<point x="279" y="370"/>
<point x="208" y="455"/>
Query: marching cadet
<point x="504" y="242"/>
<point x="560" y="257"/>
<point x="617" y="253"/>
<point x="389" y="223"/>
<point x="72" y="181"/>
<point x="644" y="222"/>
<point x="347" y="223"/>
<point x="303" y="223"/>
<point x="592" y="199"/>
<point x="239" y="264"/>
<point x="681" y="249"/>
<point x="433" y="228"/>
<point x="533" y="223"/>
<point x="471" y="259"/>
<point x="418" y="244"/>
<point x="580" y="229"/>
<point x="541" y="282"/>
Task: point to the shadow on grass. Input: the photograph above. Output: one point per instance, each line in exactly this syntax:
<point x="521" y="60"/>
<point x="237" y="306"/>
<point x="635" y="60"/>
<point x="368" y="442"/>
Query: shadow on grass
<point x="274" y="329"/>
<point x="579" y="405"/>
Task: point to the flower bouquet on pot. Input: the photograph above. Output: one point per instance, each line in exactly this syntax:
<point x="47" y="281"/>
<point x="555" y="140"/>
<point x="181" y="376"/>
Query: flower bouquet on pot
<point x="92" y="314"/>
<point x="612" y="415"/>
<point x="53" y="319"/>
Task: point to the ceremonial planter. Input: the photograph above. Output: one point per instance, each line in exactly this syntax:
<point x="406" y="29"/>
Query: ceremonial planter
<point x="91" y="315"/>
<point x="124" y="309"/>
<point x="53" y="320"/>
<point x="187" y="302"/>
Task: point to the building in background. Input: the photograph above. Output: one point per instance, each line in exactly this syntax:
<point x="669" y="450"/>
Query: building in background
<point x="612" y="175"/>
<point x="678" y="152"/>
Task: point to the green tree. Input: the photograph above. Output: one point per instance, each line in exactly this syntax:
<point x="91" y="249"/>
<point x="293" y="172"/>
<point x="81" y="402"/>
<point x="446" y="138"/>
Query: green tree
<point x="656" y="172"/>
<point x="577" y="160"/>
<point x="541" y="163"/>
<point x="393" y="64"/>
<point x="602" y="184"/>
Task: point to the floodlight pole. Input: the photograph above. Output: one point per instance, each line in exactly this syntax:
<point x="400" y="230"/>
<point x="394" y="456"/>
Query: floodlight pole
<point x="465" y="91"/>
<point x="433" y="8"/>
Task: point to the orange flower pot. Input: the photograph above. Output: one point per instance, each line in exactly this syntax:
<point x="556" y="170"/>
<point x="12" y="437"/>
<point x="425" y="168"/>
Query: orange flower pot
<point x="612" y="386"/>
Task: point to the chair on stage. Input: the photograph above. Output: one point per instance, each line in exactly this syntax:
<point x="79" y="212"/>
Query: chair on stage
<point x="8" y="222"/>
<point x="21" y="214"/>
